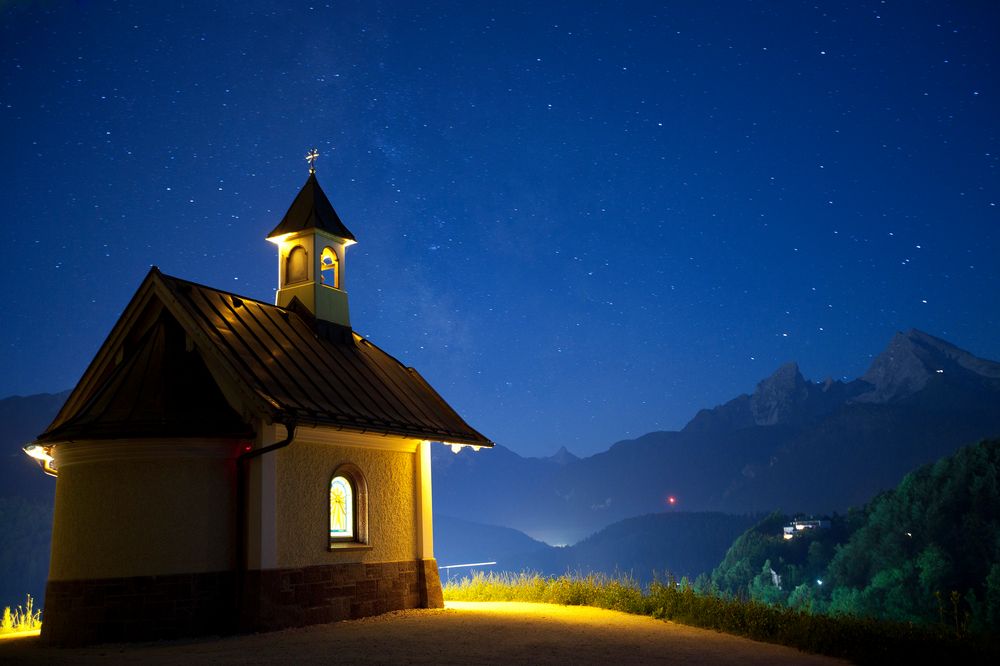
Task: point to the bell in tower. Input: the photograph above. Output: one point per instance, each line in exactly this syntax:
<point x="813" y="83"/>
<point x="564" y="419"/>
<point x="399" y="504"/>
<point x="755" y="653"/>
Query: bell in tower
<point x="312" y="242"/>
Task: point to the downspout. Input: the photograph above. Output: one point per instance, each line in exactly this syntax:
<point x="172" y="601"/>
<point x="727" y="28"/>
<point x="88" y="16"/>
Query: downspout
<point x="242" y="496"/>
<point x="255" y="453"/>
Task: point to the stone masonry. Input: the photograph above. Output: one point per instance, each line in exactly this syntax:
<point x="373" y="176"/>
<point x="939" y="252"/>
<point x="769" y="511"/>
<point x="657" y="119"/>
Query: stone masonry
<point x="162" y="607"/>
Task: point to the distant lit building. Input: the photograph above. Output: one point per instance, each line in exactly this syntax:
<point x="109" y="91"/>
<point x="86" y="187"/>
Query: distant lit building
<point x="797" y="527"/>
<point x="229" y="465"/>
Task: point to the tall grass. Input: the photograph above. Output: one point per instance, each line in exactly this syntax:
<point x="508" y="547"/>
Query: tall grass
<point x="24" y="618"/>
<point x="862" y="640"/>
<point x="616" y="593"/>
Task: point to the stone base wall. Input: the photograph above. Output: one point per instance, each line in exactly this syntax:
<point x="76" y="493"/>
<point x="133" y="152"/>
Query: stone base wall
<point x="281" y="598"/>
<point x="143" y="608"/>
<point x="139" y="608"/>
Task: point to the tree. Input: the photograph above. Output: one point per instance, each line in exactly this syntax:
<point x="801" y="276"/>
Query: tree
<point x="766" y="586"/>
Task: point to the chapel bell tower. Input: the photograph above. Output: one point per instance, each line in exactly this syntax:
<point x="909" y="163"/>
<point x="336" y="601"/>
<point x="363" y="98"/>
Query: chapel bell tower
<point x="312" y="242"/>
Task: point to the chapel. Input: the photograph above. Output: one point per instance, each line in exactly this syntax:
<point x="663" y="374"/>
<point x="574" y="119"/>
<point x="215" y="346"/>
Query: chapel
<point x="228" y="465"/>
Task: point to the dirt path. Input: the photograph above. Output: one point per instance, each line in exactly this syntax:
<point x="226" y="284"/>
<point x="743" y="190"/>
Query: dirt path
<point x="463" y="633"/>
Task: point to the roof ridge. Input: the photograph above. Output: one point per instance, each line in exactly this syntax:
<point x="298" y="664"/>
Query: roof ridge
<point x="174" y="278"/>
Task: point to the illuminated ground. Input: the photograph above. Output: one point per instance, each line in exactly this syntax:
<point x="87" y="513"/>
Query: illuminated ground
<point x="464" y="633"/>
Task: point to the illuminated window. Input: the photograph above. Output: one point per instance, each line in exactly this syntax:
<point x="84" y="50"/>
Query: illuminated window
<point x="348" y="508"/>
<point x="330" y="268"/>
<point x="341" y="509"/>
<point x="297" y="265"/>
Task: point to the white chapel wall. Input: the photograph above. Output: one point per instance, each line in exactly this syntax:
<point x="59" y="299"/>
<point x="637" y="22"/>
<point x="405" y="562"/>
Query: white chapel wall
<point x="304" y="472"/>
<point x="142" y="508"/>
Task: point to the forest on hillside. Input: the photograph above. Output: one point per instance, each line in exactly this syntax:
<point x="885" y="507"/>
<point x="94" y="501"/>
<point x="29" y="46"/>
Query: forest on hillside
<point x="927" y="551"/>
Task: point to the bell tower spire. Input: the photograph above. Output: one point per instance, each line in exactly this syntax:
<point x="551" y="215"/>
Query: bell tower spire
<point x="312" y="243"/>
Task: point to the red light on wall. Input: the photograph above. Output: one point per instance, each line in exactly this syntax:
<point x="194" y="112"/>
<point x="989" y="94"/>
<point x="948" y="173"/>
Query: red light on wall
<point x="671" y="500"/>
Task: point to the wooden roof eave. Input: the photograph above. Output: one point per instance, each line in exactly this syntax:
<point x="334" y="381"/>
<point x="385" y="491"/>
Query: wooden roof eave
<point x="390" y="431"/>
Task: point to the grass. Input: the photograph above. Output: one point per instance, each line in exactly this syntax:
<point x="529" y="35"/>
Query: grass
<point x="21" y="619"/>
<point x="862" y="640"/>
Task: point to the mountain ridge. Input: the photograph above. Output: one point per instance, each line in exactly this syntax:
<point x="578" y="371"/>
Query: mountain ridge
<point x="791" y="444"/>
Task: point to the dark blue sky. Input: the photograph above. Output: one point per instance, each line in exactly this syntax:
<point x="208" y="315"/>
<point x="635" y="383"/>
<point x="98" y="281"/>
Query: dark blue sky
<point x="580" y="221"/>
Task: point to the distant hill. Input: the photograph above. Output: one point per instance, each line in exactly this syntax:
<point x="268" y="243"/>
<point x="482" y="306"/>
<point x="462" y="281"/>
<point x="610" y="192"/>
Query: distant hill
<point x="459" y="541"/>
<point x="675" y="543"/>
<point x="929" y="545"/>
<point x="792" y="444"/>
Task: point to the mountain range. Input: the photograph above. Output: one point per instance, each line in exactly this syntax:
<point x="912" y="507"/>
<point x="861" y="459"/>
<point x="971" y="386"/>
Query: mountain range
<point x="792" y="444"/>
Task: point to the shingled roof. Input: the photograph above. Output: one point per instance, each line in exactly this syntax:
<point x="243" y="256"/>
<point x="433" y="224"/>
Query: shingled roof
<point x="312" y="210"/>
<point x="268" y="362"/>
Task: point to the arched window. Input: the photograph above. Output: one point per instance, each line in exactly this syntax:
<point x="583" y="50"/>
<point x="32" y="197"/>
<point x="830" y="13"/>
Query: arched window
<point x="330" y="268"/>
<point x="341" y="509"/>
<point x="297" y="265"/>
<point x="348" y="507"/>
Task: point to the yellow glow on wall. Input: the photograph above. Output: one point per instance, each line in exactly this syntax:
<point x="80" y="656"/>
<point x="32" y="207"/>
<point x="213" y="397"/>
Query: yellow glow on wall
<point x="297" y="265"/>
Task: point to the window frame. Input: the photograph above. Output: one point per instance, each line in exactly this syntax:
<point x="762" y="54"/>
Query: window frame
<point x="333" y="267"/>
<point x="359" y="487"/>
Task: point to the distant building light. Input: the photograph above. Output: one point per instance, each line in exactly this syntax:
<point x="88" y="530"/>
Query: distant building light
<point x="819" y="582"/>
<point x="802" y="525"/>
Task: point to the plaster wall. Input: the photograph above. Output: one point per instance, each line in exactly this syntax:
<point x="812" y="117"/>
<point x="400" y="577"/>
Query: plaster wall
<point x="304" y="470"/>
<point x="325" y="301"/>
<point x="142" y="508"/>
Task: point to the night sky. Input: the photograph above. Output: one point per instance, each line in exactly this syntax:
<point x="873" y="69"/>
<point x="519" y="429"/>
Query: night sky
<point x="580" y="221"/>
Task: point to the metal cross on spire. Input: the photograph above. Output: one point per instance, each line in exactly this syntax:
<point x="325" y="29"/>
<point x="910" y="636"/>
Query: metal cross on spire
<point x="311" y="158"/>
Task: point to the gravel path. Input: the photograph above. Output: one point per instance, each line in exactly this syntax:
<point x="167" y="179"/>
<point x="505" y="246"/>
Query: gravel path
<point x="463" y="633"/>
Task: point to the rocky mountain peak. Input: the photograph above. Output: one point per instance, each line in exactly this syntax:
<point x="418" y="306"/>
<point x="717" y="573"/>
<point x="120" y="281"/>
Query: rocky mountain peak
<point x="911" y="359"/>
<point x="563" y="456"/>
<point x="787" y="376"/>
<point x="778" y="397"/>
